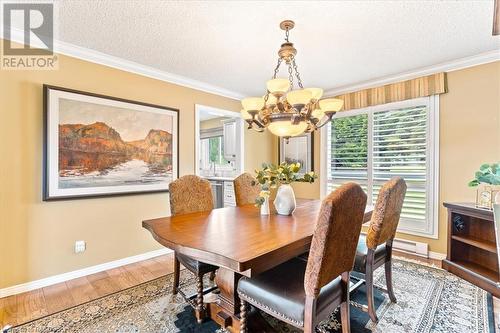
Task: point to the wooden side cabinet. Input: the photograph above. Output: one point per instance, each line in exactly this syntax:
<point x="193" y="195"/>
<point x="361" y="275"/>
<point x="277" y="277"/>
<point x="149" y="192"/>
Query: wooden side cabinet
<point x="472" y="249"/>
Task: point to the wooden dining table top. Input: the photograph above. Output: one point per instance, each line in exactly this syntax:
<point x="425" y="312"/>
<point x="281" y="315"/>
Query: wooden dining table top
<point x="240" y="238"/>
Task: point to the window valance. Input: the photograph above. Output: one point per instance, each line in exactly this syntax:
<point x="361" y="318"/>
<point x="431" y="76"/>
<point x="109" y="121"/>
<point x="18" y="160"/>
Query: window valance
<point x="420" y="87"/>
<point x="211" y="132"/>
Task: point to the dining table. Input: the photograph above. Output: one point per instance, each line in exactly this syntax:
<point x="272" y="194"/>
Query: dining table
<point x="241" y="242"/>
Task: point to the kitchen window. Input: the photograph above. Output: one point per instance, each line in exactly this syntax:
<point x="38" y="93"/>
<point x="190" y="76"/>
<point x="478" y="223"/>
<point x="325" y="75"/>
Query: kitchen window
<point x="212" y="151"/>
<point x="371" y="145"/>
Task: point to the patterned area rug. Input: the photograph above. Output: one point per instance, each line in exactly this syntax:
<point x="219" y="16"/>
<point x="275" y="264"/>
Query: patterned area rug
<point x="429" y="300"/>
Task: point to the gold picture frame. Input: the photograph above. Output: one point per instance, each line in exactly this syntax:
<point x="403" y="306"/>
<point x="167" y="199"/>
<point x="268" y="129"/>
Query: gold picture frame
<point x="485" y="197"/>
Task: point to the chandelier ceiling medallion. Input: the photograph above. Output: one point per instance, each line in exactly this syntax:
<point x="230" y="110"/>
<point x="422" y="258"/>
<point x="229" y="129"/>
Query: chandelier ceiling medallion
<point x="284" y="111"/>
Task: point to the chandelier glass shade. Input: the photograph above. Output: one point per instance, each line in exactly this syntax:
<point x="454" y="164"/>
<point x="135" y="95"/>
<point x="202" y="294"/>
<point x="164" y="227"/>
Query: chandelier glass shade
<point x="286" y="111"/>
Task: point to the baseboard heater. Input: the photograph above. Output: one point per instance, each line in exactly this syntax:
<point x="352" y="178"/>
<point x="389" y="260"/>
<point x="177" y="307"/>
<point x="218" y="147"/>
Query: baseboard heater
<point x="411" y="247"/>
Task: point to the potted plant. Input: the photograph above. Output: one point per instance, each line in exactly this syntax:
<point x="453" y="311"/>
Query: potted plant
<point x="280" y="176"/>
<point x="487" y="174"/>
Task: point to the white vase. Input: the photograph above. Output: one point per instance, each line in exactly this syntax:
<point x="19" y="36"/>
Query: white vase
<point x="264" y="208"/>
<point x="285" y="200"/>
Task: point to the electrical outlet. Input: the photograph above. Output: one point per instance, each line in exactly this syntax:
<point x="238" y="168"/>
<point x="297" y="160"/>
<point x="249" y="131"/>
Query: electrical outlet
<point x="80" y="246"/>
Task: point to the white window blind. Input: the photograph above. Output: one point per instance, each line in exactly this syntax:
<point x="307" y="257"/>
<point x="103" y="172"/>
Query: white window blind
<point x="348" y="153"/>
<point x="370" y="146"/>
<point x="400" y="149"/>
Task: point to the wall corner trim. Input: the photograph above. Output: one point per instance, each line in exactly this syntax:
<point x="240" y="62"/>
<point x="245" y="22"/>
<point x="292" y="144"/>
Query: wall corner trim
<point x="32" y="285"/>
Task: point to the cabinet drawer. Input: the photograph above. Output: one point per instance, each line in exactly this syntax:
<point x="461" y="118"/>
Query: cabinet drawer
<point x="228" y="186"/>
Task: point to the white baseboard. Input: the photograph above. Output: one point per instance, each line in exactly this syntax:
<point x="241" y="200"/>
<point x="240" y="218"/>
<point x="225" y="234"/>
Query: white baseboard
<point x="437" y="255"/>
<point x="415" y="248"/>
<point x="32" y="285"/>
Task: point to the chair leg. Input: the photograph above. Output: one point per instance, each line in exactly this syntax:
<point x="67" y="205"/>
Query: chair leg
<point x="369" y="286"/>
<point x="243" y="317"/>
<point x="388" y="280"/>
<point x="177" y="268"/>
<point x="200" y="315"/>
<point x="345" y="313"/>
<point x="308" y="328"/>
<point x="212" y="276"/>
<point x="310" y="314"/>
<point x="388" y="273"/>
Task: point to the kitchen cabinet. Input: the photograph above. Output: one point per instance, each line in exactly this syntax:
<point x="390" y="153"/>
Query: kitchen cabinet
<point x="231" y="139"/>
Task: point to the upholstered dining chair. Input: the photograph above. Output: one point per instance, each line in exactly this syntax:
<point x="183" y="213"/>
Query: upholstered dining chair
<point x="246" y="189"/>
<point x="375" y="249"/>
<point x="302" y="293"/>
<point x="190" y="194"/>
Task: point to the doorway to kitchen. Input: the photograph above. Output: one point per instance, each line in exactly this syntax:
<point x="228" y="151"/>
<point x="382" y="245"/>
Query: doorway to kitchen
<point x="219" y="150"/>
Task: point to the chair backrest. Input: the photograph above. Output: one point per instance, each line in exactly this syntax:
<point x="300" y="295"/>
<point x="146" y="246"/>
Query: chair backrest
<point x="335" y="238"/>
<point x="246" y="189"/>
<point x="190" y="194"/>
<point x="386" y="213"/>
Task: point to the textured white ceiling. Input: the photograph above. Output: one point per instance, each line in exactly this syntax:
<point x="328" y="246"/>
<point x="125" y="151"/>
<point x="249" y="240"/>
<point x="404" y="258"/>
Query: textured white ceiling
<point x="234" y="44"/>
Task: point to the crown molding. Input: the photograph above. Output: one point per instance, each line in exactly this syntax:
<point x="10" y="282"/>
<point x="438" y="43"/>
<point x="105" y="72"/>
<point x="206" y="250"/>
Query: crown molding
<point x="101" y="58"/>
<point x="133" y="67"/>
<point x="449" y="66"/>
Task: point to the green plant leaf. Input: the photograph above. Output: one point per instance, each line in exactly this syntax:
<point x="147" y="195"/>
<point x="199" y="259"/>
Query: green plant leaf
<point x="484" y="167"/>
<point x="473" y="183"/>
<point x="272" y="175"/>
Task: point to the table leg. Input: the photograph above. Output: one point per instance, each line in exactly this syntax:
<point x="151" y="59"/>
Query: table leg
<point x="226" y="308"/>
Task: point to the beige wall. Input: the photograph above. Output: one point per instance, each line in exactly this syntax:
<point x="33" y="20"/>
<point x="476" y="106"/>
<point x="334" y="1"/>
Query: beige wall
<point x="36" y="237"/>
<point x="469" y="126"/>
<point x="469" y="136"/>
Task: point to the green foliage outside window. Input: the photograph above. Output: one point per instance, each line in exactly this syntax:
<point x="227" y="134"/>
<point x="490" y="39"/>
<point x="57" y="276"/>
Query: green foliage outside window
<point x="216" y="150"/>
<point x="350" y="141"/>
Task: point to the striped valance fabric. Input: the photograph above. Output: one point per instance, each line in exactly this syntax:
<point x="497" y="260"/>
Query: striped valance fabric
<point x="420" y="87"/>
<point x="211" y="132"/>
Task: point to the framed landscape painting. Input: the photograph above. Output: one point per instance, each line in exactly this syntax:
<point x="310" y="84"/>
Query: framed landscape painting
<point x="300" y="149"/>
<point x="98" y="145"/>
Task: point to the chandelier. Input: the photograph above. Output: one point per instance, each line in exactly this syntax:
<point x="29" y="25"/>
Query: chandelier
<point x="284" y="111"/>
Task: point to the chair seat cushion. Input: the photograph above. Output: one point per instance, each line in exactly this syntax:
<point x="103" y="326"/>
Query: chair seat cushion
<point x="362" y="252"/>
<point x="194" y="265"/>
<point x="280" y="292"/>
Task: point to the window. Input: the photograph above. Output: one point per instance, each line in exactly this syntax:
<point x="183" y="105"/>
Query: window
<point x="371" y="145"/>
<point x="212" y="151"/>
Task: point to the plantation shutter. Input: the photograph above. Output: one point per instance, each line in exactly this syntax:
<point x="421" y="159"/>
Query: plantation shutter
<point x="400" y="149"/>
<point x="370" y="146"/>
<point x="348" y="153"/>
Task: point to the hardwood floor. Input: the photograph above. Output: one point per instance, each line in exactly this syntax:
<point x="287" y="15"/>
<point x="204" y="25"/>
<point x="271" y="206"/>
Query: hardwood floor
<point x="31" y="305"/>
<point x="24" y="307"/>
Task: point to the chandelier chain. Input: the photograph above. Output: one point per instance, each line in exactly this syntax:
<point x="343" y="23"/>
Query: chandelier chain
<point x="297" y="74"/>
<point x="287" y="34"/>
<point x="290" y="75"/>
<point x="277" y="67"/>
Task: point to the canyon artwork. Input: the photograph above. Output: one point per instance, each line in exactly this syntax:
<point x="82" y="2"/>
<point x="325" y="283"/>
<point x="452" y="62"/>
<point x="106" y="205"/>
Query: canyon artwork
<point x="98" y="145"/>
<point x="103" y="146"/>
<point x="96" y="155"/>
